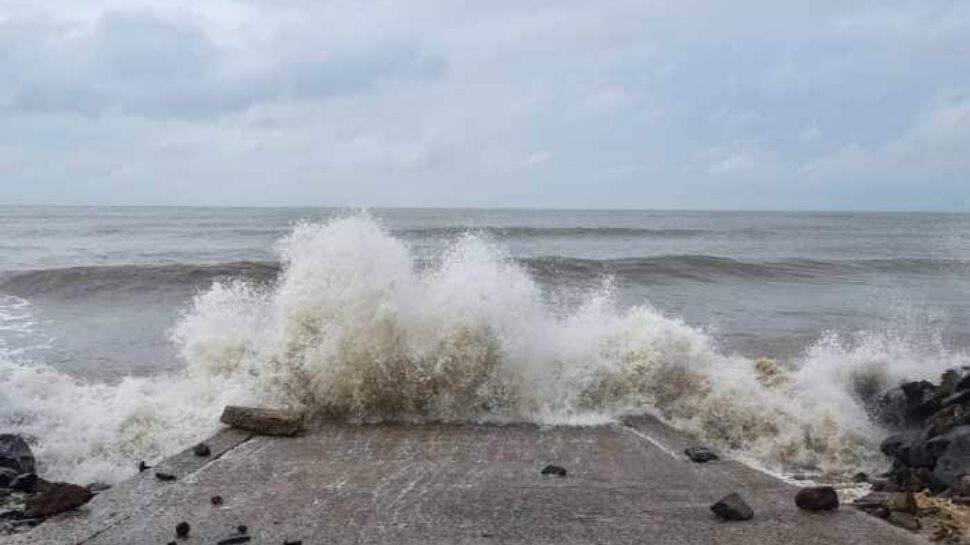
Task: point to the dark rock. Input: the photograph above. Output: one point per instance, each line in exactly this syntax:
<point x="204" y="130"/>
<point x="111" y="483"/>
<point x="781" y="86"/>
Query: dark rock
<point x="904" y="520"/>
<point x="164" y="476"/>
<point x="233" y="540"/>
<point x="142" y="466"/>
<point x="732" y="507"/>
<point x="182" y="530"/>
<point x="958" y="398"/>
<point x="902" y="501"/>
<point x="554" y="470"/>
<point x="242" y="529"/>
<point x="964" y="383"/>
<point x="860" y="477"/>
<point x="7" y="514"/>
<point x="954" y="461"/>
<point x="15" y="454"/>
<point x="57" y="498"/>
<point x="948" y="418"/>
<point x="894" y="445"/>
<point x="264" y="421"/>
<point x="216" y="500"/>
<point x="7" y="476"/>
<point x="817" y="498"/>
<point x="25" y="483"/>
<point x="201" y="449"/>
<point x="923" y="452"/>
<point x="300" y="542"/>
<point x="700" y="454"/>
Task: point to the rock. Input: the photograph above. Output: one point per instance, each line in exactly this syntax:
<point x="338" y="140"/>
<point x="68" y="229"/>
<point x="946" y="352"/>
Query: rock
<point x="57" y="498"/>
<point x="957" y="398"/>
<point x="700" y="454"/>
<point x="894" y="445"/>
<point x="182" y="530"/>
<point x="949" y="381"/>
<point x="242" y="529"/>
<point x="732" y="507"/>
<point x="300" y="542"/>
<point x="948" y="418"/>
<point x="954" y="461"/>
<point x="922" y="399"/>
<point x="962" y="486"/>
<point x="264" y="421"/>
<point x="164" y="476"/>
<point x="902" y="501"/>
<point x="25" y="483"/>
<point x="216" y="500"/>
<point x="201" y="449"/>
<point x="817" y="498"/>
<point x="923" y="452"/>
<point x="904" y="520"/>
<point x="860" y="477"/>
<point x="7" y="476"/>
<point x="554" y="470"/>
<point x="15" y="454"/>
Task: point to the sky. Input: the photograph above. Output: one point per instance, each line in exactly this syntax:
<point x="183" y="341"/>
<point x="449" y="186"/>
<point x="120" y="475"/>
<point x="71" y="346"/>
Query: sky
<point x="557" y="104"/>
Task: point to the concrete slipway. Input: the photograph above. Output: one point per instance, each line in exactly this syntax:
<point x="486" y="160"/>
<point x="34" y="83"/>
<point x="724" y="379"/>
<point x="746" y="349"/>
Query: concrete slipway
<point x="403" y="484"/>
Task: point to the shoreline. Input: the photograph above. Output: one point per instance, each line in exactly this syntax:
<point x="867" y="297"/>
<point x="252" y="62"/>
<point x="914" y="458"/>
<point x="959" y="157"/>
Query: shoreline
<point x="453" y="483"/>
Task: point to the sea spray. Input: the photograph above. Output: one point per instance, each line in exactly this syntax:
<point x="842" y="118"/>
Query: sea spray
<point x="357" y="326"/>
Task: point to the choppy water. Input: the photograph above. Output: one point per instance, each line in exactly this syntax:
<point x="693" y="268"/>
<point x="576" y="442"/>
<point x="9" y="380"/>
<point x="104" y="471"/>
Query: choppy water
<point x="116" y="344"/>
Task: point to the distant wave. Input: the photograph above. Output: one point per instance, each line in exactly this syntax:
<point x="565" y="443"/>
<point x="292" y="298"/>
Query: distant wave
<point x="549" y="232"/>
<point x="79" y="281"/>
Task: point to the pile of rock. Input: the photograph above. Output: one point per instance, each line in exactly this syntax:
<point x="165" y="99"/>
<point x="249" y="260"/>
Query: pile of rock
<point x="26" y="499"/>
<point x="930" y="451"/>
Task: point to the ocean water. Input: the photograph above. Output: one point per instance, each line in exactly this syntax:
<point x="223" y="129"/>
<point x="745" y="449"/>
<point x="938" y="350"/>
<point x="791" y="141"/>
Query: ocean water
<point x="123" y="331"/>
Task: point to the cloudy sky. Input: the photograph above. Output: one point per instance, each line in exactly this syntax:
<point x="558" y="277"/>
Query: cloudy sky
<point x="633" y="104"/>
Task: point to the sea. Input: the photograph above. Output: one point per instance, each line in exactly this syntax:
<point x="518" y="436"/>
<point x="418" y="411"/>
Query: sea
<point x="124" y="330"/>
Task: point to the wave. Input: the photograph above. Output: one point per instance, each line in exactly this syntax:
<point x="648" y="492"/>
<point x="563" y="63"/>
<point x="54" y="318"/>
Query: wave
<point x="79" y="281"/>
<point x="510" y="232"/>
<point x="355" y="327"/>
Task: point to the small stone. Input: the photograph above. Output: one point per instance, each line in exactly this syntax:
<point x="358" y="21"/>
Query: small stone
<point x="700" y="454"/>
<point x="558" y="471"/>
<point x="904" y="520"/>
<point x="817" y="498"/>
<point x="57" y="498"/>
<point x="242" y="529"/>
<point x="142" y="466"/>
<point x="171" y="543"/>
<point x="216" y="500"/>
<point x="201" y="449"/>
<point x="300" y="542"/>
<point x="732" y="507"/>
<point x="182" y="530"/>
<point x="164" y="476"/>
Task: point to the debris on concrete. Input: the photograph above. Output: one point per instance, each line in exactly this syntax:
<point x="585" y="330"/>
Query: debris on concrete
<point x="216" y="500"/>
<point x="201" y="449"/>
<point x="165" y="476"/>
<point x="817" y="498"/>
<point x="551" y="469"/>
<point x="182" y="530"/>
<point x="264" y="421"/>
<point x="700" y="454"/>
<point x="732" y="507"/>
<point x="142" y="466"/>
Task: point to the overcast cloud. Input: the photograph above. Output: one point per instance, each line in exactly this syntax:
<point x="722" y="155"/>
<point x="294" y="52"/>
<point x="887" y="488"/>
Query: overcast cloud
<point x="646" y="104"/>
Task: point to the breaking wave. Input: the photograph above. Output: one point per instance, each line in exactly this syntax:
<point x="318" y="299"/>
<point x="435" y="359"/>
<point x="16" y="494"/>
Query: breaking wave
<point x="356" y="327"/>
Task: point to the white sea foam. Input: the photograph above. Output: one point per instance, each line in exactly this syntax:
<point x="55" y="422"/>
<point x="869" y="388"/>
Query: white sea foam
<point x="353" y="328"/>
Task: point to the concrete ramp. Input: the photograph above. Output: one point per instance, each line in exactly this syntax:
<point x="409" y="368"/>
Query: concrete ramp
<point x="443" y="484"/>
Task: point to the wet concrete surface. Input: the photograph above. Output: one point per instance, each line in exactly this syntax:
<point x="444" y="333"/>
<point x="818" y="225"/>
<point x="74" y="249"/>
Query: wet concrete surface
<point x="463" y="484"/>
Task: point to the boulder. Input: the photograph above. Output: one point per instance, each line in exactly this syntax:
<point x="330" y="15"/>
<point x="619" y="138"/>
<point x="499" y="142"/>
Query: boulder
<point x="902" y="501"/>
<point x="817" y="498"/>
<point x="874" y="503"/>
<point x="700" y="454"/>
<point x="732" y="507"/>
<point x="954" y="461"/>
<point x="894" y="445"/>
<point x="57" y="498"/>
<point x="948" y="418"/>
<point x="923" y="399"/>
<point x="25" y="483"/>
<point x="15" y="454"/>
<point x="956" y="398"/>
<point x="923" y="451"/>
<point x="264" y="421"/>
<point x="904" y="520"/>
<point x="7" y="476"/>
<point x="949" y="381"/>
